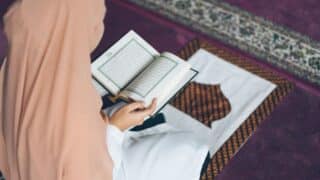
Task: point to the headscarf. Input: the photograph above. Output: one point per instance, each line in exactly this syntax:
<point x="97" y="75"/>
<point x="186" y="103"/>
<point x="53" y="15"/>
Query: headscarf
<point x="51" y="127"/>
<point x="3" y="47"/>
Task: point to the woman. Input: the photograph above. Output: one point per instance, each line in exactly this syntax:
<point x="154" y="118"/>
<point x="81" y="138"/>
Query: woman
<point x="51" y="125"/>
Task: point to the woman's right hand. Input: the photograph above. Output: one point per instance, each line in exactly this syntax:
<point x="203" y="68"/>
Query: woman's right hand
<point x="132" y="114"/>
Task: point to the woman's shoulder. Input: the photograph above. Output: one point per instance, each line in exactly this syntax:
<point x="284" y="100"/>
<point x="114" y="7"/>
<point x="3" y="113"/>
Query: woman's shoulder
<point x="41" y="18"/>
<point x="49" y="11"/>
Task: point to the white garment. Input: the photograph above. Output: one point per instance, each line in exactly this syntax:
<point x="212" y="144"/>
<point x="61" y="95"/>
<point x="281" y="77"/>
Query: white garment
<point x="168" y="154"/>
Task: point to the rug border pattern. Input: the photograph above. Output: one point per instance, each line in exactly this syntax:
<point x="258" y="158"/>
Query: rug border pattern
<point x="297" y="67"/>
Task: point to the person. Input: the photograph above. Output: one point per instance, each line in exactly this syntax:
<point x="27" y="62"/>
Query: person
<point x="51" y="124"/>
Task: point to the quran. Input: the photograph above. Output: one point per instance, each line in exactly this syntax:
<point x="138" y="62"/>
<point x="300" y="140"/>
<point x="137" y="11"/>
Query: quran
<point x="132" y="70"/>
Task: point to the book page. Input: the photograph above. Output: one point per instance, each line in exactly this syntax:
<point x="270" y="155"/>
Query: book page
<point x="122" y="62"/>
<point x="177" y="87"/>
<point x="158" y="79"/>
<point x="151" y="76"/>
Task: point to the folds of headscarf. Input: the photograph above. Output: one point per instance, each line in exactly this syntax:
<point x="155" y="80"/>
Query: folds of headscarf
<point x="51" y="127"/>
<point x="3" y="46"/>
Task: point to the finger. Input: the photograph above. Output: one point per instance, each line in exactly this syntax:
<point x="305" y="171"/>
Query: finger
<point x="150" y="109"/>
<point x="134" y="106"/>
<point x="139" y="122"/>
<point x="153" y="105"/>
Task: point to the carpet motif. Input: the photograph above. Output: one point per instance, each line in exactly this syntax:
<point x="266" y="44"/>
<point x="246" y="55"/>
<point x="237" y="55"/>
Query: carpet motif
<point x="206" y="103"/>
<point x="280" y="46"/>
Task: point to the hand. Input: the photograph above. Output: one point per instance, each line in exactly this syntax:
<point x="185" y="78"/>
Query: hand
<point x="132" y="114"/>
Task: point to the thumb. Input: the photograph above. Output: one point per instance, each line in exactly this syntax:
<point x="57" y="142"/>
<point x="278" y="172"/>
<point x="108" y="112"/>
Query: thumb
<point x="136" y="105"/>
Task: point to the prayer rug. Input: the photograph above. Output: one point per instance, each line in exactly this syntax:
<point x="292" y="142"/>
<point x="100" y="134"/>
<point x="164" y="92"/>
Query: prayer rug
<point x="241" y="135"/>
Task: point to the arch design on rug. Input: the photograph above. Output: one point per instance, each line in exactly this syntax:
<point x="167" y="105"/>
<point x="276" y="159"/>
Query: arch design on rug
<point x="204" y="102"/>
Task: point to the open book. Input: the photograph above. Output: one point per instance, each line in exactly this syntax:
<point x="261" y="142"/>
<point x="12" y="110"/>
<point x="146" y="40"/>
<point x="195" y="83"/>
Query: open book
<point x="133" y="70"/>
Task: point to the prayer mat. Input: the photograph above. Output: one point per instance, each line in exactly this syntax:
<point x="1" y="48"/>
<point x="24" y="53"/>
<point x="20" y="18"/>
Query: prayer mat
<point x="241" y="135"/>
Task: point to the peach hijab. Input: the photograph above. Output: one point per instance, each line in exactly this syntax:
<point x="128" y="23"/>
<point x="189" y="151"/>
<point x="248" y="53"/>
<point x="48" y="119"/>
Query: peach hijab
<point x="50" y="126"/>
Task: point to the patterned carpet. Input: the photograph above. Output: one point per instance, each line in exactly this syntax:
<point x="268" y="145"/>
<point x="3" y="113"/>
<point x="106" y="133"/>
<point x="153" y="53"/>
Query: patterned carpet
<point x="204" y="102"/>
<point x="280" y="46"/>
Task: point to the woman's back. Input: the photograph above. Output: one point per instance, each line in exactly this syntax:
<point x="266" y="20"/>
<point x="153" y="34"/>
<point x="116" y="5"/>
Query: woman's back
<point x="52" y="128"/>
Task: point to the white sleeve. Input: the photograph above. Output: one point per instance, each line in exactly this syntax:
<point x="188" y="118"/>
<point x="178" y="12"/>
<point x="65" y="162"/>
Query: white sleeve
<point x="114" y="142"/>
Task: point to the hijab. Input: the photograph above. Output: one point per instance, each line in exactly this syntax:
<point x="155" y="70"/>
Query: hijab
<point x="3" y="46"/>
<point x="51" y="127"/>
